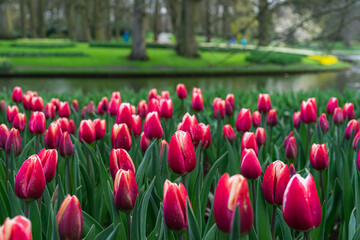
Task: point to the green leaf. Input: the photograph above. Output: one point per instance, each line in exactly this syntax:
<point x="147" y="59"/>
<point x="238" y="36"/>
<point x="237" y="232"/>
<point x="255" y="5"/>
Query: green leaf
<point x="91" y="233"/>
<point x="285" y="230"/>
<point x="352" y="225"/>
<point x="192" y="223"/>
<point x="144" y="207"/>
<point x="15" y="207"/>
<point x="155" y="234"/>
<point x="140" y="173"/>
<point x="262" y="218"/>
<point x="211" y="233"/>
<point x="106" y="232"/>
<point x="89" y="223"/>
<point x="35" y="220"/>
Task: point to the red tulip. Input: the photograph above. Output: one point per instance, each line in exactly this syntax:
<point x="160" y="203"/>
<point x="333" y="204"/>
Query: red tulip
<point x="30" y="179"/>
<point x="318" y="157"/>
<point x="100" y="128"/>
<point x="125" y="190"/>
<point x="331" y="105"/>
<point x="37" y="103"/>
<point x="17" y="228"/>
<point x="271" y="118"/>
<point x="144" y="142"/>
<point x="301" y="204"/>
<point x="260" y="135"/>
<point x="243" y="121"/>
<point x="249" y="141"/>
<point x="52" y="135"/>
<point x="153" y="94"/>
<point x="165" y="95"/>
<point x="229" y="104"/>
<point x="152" y="126"/>
<point x="17" y="94"/>
<point x="197" y="102"/>
<point x="264" y="102"/>
<point x="87" y="131"/>
<point x="11" y="112"/>
<point x="102" y="106"/>
<point x="297" y="119"/>
<point x="164" y="144"/>
<point x="136" y="126"/>
<point x="324" y="124"/>
<point x="276" y="178"/>
<point x="228" y="132"/>
<point x="56" y="102"/>
<point x="72" y="128"/>
<point x="50" y="110"/>
<point x="116" y="95"/>
<point x="308" y="111"/>
<point x="181" y="155"/>
<point x="166" y="108"/>
<point x="206" y="135"/>
<point x="2" y="105"/>
<point x="26" y="99"/>
<point x="120" y="159"/>
<point x="142" y="108"/>
<point x="114" y="106"/>
<point x="358" y="161"/>
<point x="349" y="111"/>
<point x="338" y="117"/>
<point x="49" y="159"/>
<point x="66" y="148"/>
<point x="232" y="192"/>
<point x="120" y="136"/>
<point x="352" y="127"/>
<point x="69" y="219"/>
<point x="90" y="108"/>
<point x="75" y="105"/>
<point x="19" y="121"/>
<point x="64" y="124"/>
<point x="181" y="91"/>
<point x="174" y="206"/>
<point x="4" y="133"/>
<point x="64" y="110"/>
<point x="13" y="140"/>
<point x="189" y="124"/>
<point x="153" y="106"/>
<point x="291" y="150"/>
<point x="219" y="108"/>
<point x="291" y="134"/>
<point x="37" y="123"/>
<point x="250" y="166"/>
<point x="124" y="114"/>
<point x="256" y="118"/>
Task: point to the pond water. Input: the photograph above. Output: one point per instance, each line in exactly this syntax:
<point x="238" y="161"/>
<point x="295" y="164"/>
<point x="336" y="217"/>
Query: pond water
<point x="339" y="80"/>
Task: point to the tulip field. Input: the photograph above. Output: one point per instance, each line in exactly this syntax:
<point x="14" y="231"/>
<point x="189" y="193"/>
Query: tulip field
<point x="181" y="163"/>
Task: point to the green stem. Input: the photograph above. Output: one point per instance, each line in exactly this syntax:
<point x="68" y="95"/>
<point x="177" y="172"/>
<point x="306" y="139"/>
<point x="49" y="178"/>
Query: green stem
<point x="322" y="187"/>
<point x="128" y="221"/>
<point x="273" y="222"/>
<point x="338" y="134"/>
<point x="308" y="139"/>
<point x="7" y="166"/>
<point x="69" y="175"/>
<point x="182" y="105"/>
<point x="37" y="143"/>
<point x="39" y="204"/>
<point x="307" y="235"/>
<point x="183" y="178"/>
<point x="254" y="197"/>
<point x="270" y="139"/>
<point x="27" y="209"/>
<point x="180" y="236"/>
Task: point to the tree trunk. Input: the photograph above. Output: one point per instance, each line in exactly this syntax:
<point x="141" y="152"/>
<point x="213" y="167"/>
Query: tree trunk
<point x="23" y="18"/>
<point x="6" y="25"/>
<point x="33" y="22"/>
<point x="207" y="21"/>
<point x="81" y="27"/>
<point x="173" y="6"/>
<point x="138" y="49"/>
<point x="225" y="20"/>
<point x="100" y="20"/>
<point x="156" y="20"/>
<point x="70" y="17"/>
<point x="41" y="25"/>
<point x="186" y="42"/>
<point x="264" y="19"/>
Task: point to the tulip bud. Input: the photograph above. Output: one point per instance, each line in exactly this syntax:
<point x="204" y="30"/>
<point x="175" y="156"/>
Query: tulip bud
<point x="37" y="123"/>
<point x="174" y="206"/>
<point x="250" y="166"/>
<point x="144" y="142"/>
<point x="291" y="150"/>
<point x="349" y="111"/>
<point x="324" y="124"/>
<point x="75" y="105"/>
<point x="291" y="134"/>
<point x="356" y="141"/>
<point x="165" y="95"/>
<point x="116" y="95"/>
<point x="153" y="94"/>
<point x="197" y="102"/>
<point x="256" y="118"/>
<point x="4" y="133"/>
<point x="308" y="111"/>
<point x="19" y="121"/>
<point x="206" y="135"/>
<point x="56" y="102"/>
<point x="181" y="155"/>
<point x="66" y="148"/>
<point x="260" y="136"/>
<point x="11" y="112"/>
<point x="142" y="108"/>
<point x="352" y="127"/>
<point x="332" y="104"/>
<point x="13" y="140"/>
<point x="53" y="135"/>
<point x="72" y="128"/>
<point x="124" y="114"/>
<point x="100" y="128"/>
<point x="136" y="126"/>
<point x="301" y="204"/>
<point x="153" y="106"/>
<point x="120" y="136"/>
<point x="17" y="228"/>
<point x="292" y="170"/>
<point x="49" y="159"/>
<point x="249" y="141"/>
<point x="232" y="192"/>
<point x="2" y="105"/>
<point x="26" y="99"/>
<point x="102" y="106"/>
<point x="219" y="108"/>
<point x="64" y="124"/>
<point x="69" y="219"/>
<point x="30" y="179"/>
<point x="17" y="94"/>
<point x="120" y="159"/>
<point x="264" y="102"/>
<point x="318" y="157"/>
<point x="228" y="132"/>
<point x="276" y="177"/>
<point x="64" y="110"/>
<point x="338" y="117"/>
<point x="152" y="126"/>
<point x="37" y="104"/>
<point x="114" y="106"/>
<point x="50" y="110"/>
<point x="125" y="190"/>
<point x="229" y="104"/>
<point x="297" y="119"/>
<point x="243" y="121"/>
<point x="181" y="91"/>
<point x="271" y="119"/>
<point x="87" y="131"/>
<point x="166" y="108"/>
<point x="189" y="124"/>
<point x="164" y="144"/>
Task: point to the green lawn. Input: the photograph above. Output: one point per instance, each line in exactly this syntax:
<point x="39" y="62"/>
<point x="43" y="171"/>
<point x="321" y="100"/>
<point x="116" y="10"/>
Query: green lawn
<point x="108" y="60"/>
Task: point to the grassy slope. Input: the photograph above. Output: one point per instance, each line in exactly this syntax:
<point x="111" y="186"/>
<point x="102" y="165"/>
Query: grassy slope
<point x="162" y="60"/>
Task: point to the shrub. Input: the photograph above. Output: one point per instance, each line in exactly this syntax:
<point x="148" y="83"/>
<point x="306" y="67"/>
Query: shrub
<point x="5" y="65"/>
<point x="43" y="44"/>
<point x="42" y="54"/>
<point x="260" y="57"/>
